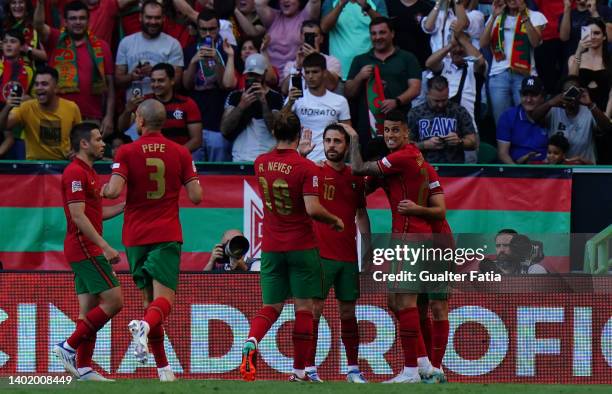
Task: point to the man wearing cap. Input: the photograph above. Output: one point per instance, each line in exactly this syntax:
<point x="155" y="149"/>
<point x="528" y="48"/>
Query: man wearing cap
<point x="249" y="113"/>
<point x="519" y="137"/>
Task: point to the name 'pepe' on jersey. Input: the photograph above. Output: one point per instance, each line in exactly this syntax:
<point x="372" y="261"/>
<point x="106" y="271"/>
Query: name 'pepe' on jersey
<point x="405" y="177"/>
<point x="342" y="193"/>
<point x="80" y="183"/>
<point x="155" y="169"/>
<point x="284" y="179"/>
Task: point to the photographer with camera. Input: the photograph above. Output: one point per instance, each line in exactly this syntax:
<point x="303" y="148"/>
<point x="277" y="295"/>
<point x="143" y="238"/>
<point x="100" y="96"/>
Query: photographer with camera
<point x="441" y="128"/>
<point x="515" y="254"/>
<point x="228" y="255"/>
<point x="249" y="113"/>
<point x="573" y="113"/>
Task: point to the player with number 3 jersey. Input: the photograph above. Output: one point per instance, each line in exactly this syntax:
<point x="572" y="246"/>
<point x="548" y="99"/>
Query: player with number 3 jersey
<point x="154" y="170"/>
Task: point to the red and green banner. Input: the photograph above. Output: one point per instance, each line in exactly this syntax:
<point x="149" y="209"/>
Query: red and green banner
<point x="375" y="95"/>
<point x="479" y="200"/>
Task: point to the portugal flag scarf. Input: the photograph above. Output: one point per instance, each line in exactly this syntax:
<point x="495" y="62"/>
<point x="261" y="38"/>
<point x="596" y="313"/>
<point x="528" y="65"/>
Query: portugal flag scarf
<point x="375" y="95"/>
<point x="64" y="59"/>
<point x="520" y="59"/>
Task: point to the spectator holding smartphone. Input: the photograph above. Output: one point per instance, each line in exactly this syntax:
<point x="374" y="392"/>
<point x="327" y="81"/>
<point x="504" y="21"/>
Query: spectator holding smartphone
<point x="16" y="78"/>
<point x="317" y="107"/>
<point x="573" y="19"/>
<point x="573" y="114"/>
<point x="441" y="128"/>
<point x="139" y="52"/>
<point x="204" y="69"/>
<point x="591" y="63"/>
<point x="312" y="39"/>
<point x="249" y="113"/>
<point x="233" y="76"/>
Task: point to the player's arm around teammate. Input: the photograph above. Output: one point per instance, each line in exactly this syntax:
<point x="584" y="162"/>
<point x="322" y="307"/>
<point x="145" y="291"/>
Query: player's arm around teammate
<point x="89" y="254"/>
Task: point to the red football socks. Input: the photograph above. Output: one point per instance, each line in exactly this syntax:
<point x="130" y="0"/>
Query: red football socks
<point x="261" y="323"/>
<point x="302" y="338"/>
<point x="310" y="362"/>
<point x="350" y="339"/>
<point x="426" y="334"/>
<point x="157" y="312"/>
<point x="156" y="343"/>
<point x="439" y="340"/>
<point x="85" y="350"/>
<point x="94" y="320"/>
<point x="409" y="335"/>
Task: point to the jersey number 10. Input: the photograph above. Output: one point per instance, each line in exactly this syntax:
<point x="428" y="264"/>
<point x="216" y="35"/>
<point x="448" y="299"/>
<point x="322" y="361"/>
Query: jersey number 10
<point x="280" y="195"/>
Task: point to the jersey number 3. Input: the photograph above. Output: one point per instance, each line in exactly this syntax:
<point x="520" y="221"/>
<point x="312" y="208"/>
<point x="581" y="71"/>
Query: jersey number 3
<point x="159" y="177"/>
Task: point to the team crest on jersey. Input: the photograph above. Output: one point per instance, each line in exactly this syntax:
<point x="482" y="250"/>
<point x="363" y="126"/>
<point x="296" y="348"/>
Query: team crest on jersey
<point x="76" y="186"/>
<point x="386" y="162"/>
<point x="178" y="114"/>
<point x="315" y="181"/>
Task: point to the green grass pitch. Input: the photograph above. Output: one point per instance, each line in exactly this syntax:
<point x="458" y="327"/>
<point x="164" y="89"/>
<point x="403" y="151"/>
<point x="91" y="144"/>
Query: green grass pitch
<point x="139" y="386"/>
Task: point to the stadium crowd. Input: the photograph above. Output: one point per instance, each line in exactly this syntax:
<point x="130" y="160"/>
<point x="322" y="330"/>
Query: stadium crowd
<point x="223" y="68"/>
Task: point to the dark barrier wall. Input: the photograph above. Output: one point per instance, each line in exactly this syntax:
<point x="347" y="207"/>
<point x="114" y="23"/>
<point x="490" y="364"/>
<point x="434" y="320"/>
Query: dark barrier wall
<point x="531" y="337"/>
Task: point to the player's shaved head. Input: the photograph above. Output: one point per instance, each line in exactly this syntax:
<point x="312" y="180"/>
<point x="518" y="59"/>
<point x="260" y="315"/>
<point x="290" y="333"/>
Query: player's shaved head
<point x="152" y="113"/>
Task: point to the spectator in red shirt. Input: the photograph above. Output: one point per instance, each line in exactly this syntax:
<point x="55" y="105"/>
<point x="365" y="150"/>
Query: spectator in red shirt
<point x="103" y="16"/>
<point x="84" y="63"/>
<point x="183" y="123"/>
<point x="550" y="58"/>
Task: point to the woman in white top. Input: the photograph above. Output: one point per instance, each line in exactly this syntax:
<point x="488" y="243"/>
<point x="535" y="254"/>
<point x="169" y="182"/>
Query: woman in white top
<point x="512" y="32"/>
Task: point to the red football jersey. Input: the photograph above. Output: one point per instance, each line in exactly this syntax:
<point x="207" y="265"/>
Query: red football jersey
<point x="284" y="179"/>
<point x="405" y="178"/>
<point x="437" y="226"/>
<point x="80" y="183"/>
<point x="181" y="111"/>
<point x="155" y="169"/>
<point x="342" y="194"/>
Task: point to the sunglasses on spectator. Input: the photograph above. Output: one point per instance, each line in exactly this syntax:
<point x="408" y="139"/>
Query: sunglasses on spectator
<point x="207" y="29"/>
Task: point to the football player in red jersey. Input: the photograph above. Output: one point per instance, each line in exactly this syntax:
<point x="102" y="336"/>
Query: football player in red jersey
<point x="89" y="255"/>
<point x="290" y="266"/>
<point x="154" y="169"/>
<point x="343" y="194"/>
<point x="434" y="296"/>
<point x="404" y="179"/>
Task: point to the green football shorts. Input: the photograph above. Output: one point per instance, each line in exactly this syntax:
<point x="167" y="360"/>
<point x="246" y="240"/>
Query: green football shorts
<point x="159" y="261"/>
<point x="93" y="276"/>
<point x="343" y="276"/>
<point x="286" y="274"/>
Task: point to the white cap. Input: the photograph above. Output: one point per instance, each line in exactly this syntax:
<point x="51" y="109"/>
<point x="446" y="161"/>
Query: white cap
<point x="255" y="63"/>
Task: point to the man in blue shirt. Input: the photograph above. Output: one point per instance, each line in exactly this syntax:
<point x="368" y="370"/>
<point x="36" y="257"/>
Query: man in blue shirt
<point x="519" y="137"/>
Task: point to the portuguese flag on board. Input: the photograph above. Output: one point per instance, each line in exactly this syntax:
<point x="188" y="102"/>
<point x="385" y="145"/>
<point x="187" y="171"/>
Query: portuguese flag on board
<point x="480" y="199"/>
<point x="375" y="95"/>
